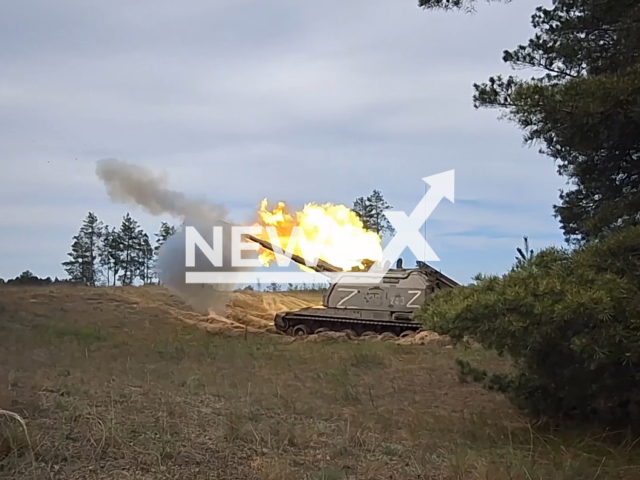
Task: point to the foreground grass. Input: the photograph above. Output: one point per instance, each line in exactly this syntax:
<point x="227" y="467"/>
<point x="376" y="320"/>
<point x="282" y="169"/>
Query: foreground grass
<point x="111" y="388"/>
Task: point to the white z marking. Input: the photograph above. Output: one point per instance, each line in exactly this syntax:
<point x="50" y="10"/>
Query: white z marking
<point x="353" y="292"/>
<point x="417" y="294"/>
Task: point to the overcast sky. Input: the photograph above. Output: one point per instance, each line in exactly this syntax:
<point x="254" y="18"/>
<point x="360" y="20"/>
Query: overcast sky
<point x="238" y="100"/>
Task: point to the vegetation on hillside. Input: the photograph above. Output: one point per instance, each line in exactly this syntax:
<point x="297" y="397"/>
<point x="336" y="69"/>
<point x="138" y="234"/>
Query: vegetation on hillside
<point x="113" y="385"/>
<point x="569" y="321"/>
<point x="568" y="318"/>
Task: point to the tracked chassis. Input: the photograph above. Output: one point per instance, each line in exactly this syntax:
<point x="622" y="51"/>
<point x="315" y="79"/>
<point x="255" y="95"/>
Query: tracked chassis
<point x="308" y="321"/>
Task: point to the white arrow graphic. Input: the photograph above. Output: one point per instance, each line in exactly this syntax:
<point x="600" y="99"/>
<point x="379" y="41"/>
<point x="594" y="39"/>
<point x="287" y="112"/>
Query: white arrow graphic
<point x="408" y="228"/>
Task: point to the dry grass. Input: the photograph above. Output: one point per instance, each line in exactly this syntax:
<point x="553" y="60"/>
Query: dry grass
<point x="112" y="383"/>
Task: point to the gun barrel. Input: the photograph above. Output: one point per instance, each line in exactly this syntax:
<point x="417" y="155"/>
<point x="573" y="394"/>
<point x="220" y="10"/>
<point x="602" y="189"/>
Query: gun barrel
<point x="320" y="267"/>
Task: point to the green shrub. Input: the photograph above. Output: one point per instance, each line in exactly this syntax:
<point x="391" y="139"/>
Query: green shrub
<point x="569" y="320"/>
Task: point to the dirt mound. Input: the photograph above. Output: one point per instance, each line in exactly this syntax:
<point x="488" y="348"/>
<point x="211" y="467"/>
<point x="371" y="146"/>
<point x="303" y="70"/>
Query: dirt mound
<point x="256" y="309"/>
<point x="423" y="338"/>
<point x="420" y="338"/>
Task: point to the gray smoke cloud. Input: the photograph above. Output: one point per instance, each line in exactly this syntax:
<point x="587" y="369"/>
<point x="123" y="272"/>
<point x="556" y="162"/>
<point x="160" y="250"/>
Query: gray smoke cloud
<point x="135" y="185"/>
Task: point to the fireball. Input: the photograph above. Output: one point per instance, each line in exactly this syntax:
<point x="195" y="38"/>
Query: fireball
<point x="333" y="233"/>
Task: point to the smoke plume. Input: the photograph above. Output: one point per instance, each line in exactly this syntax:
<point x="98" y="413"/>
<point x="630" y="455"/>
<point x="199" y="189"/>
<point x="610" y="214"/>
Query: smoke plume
<point x="133" y="184"/>
<point x="136" y="185"/>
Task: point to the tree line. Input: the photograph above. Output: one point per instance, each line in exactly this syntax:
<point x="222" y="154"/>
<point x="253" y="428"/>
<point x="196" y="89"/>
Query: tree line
<point x="102" y="255"/>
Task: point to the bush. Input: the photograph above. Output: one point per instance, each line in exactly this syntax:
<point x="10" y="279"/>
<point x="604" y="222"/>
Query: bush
<point x="569" y="320"/>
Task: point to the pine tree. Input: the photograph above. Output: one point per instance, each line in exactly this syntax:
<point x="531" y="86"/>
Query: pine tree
<point x="110" y="255"/>
<point x="91" y="232"/>
<point x="162" y="236"/>
<point x="377" y="206"/>
<point x="82" y="265"/>
<point x="165" y="232"/>
<point x="129" y="240"/>
<point x="103" y="256"/>
<point x="362" y="209"/>
<point x="76" y="266"/>
<point x="371" y="210"/>
<point x="145" y="258"/>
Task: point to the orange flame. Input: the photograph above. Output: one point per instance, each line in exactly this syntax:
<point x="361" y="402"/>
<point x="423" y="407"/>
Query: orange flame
<point x="346" y="242"/>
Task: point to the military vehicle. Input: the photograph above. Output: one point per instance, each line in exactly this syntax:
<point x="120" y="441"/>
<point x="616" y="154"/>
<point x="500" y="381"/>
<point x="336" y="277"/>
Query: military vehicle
<point x="367" y="308"/>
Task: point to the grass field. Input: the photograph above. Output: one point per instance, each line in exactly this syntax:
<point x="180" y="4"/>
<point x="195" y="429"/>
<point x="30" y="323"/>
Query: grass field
<point x="114" y="383"/>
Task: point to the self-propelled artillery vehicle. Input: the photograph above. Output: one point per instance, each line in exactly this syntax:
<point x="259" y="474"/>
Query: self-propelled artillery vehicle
<point x="364" y="308"/>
